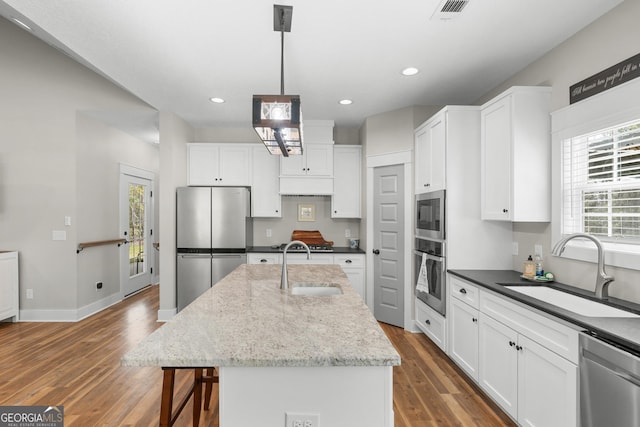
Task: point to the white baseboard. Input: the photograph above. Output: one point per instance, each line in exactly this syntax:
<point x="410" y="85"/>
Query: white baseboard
<point x="166" y="314"/>
<point x="68" y="315"/>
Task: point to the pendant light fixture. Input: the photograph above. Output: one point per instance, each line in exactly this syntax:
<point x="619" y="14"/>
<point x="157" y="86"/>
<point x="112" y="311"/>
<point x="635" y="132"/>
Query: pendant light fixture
<point x="277" y="118"/>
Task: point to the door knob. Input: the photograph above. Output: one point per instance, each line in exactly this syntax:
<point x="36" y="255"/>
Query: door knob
<point x="376" y="251"/>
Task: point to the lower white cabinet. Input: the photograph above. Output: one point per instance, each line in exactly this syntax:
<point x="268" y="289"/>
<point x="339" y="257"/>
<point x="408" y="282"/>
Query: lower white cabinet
<point x="531" y="383"/>
<point x="432" y="323"/>
<point x="524" y="360"/>
<point x="353" y="267"/>
<point x="264" y="258"/>
<point x="463" y="344"/>
<point x="9" y="290"/>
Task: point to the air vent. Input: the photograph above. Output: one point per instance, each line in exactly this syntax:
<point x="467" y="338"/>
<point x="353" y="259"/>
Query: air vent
<point x="449" y="9"/>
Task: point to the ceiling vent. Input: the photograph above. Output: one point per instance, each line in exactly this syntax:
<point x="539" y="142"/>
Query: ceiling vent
<point x="449" y="9"/>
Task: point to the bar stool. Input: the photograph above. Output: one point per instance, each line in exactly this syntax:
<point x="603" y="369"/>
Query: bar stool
<point x="206" y="376"/>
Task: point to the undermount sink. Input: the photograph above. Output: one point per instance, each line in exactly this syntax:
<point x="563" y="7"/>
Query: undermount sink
<point x="574" y="303"/>
<point x="315" y="289"/>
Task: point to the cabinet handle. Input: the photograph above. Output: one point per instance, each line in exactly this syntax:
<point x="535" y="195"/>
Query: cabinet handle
<point x="428" y="322"/>
<point x="427" y="185"/>
<point x="474" y="320"/>
<point x="511" y="343"/>
<point x="463" y="291"/>
<point x="263" y="260"/>
<point x="519" y="347"/>
<point x="505" y="210"/>
<point x="277" y="211"/>
<point x="348" y="261"/>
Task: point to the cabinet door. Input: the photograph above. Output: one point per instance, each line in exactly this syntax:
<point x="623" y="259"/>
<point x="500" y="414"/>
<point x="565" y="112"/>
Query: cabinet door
<point x="345" y="202"/>
<point x="203" y="164"/>
<point x="265" y="186"/>
<point x="356" y="279"/>
<point x="498" y="363"/>
<point x="234" y="165"/>
<point x="463" y="346"/>
<point x="421" y="152"/>
<point x="294" y="165"/>
<point x="496" y="176"/>
<point x="319" y="159"/>
<point x="437" y="159"/>
<point x="547" y="387"/>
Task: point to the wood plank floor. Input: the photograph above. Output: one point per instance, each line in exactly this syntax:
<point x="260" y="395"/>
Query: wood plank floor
<point x="78" y="365"/>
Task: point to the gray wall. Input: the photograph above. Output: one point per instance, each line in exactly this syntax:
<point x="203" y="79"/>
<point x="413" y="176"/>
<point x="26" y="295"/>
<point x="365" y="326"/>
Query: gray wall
<point x="56" y="162"/>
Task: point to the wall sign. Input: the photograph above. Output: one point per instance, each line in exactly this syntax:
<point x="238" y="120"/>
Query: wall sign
<point x="613" y="76"/>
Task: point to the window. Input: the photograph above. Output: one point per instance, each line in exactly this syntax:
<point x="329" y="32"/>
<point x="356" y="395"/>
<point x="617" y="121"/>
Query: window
<point x="601" y="183"/>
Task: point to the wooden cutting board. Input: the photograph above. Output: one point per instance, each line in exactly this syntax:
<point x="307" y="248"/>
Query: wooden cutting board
<point x="310" y="237"/>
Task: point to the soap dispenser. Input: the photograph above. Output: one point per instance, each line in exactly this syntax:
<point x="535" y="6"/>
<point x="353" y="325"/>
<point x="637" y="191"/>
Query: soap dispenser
<point x="529" y="268"/>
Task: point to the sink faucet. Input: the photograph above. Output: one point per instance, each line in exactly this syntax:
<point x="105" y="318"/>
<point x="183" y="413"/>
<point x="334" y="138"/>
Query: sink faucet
<point x="602" y="279"/>
<point x="284" y="280"/>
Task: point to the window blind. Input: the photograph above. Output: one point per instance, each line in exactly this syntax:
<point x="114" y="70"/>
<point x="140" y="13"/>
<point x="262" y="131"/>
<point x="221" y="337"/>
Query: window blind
<point x="601" y="183"/>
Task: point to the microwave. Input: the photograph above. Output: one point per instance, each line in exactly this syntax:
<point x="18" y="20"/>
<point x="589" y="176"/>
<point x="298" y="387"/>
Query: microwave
<point x="430" y="215"/>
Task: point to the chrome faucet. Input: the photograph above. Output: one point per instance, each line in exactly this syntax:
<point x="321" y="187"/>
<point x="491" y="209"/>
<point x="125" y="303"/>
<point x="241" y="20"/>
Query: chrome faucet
<point x="602" y="279"/>
<point x="284" y="280"/>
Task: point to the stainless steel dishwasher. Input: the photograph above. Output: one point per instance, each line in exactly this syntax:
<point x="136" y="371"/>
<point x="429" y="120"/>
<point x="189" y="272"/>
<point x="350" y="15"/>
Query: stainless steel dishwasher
<point x="609" y="383"/>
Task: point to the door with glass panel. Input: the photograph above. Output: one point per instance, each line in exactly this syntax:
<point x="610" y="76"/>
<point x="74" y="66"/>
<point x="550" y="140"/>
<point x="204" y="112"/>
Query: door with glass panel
<point x="136" y="211"/>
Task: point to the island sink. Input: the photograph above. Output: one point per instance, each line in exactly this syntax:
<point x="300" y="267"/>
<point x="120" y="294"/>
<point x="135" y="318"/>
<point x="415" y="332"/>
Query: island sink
<point x="315" y="289"/>
<point x="573" y="303"/>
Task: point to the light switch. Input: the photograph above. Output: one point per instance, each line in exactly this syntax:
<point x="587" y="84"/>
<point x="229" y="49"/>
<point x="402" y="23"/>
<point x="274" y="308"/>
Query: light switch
<point x="67" y="221"/>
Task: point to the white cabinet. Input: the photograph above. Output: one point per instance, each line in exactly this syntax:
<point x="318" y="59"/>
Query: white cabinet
<point x="353" y="266"/>
<point x="519" y="370"/>
<point x="463" y="327"/>
<point x="316" y="160"/>
<point x="345" y="202"/>
<point x="265" y="184"/>
<point x="430" y="154"/>
<point x="219" y="164"/>
<point x="264" y="258"/>
<point x="432" y="323"/>
<point x="9" y="286"/>
<point x="516" y="156"/>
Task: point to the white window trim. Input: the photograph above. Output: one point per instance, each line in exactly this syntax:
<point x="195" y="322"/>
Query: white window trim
<point x="606" y="109"/>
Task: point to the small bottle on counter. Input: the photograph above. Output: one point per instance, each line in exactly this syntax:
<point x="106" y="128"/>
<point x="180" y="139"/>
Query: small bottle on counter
<point x="529" y="268"/>
<point x="538" y="263"/>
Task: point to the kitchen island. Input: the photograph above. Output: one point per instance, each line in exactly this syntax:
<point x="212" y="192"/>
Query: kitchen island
<point x="279" y="353"/>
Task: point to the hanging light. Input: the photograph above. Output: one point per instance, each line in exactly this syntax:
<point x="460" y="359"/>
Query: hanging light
<point x="277" y="119"/>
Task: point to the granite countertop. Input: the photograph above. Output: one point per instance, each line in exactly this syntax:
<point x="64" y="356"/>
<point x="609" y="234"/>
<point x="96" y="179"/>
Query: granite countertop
<point x="625" y="331"/>
<point x="245" y="320"/>
<point x="336" y="250"/>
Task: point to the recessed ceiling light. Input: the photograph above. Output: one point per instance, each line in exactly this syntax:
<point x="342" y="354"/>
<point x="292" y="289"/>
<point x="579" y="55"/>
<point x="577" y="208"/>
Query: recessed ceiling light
<point x="410" y="71"/>
<point x="22" y="24"/>
<point x="345" y="102"/>
<point x="216" y="100"/>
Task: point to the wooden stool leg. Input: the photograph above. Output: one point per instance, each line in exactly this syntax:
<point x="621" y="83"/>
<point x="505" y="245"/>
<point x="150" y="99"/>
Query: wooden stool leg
<point x="166" y="403"/>
<point x="210" y="378"/>
<point x="197" y="396"/>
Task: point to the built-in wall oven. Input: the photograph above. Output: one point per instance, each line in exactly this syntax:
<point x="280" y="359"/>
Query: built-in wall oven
<point x="429" y="278"/>
<point x="430" y="215"/>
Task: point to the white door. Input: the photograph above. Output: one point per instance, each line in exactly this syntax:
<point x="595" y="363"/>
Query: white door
<point x="388" y="244"/>
<point x="136" y="211"/>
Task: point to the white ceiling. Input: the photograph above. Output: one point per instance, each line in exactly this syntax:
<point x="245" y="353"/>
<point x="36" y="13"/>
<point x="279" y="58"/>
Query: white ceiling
<point x="176" y="54"/>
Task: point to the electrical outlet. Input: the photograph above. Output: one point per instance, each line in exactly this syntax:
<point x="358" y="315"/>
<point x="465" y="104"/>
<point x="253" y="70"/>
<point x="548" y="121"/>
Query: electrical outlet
<point x="98" y="286"/>
<point x="347" y="232"/>
<point x="29" y="293"/>
<point x="301" y="420"/>
<point x="514" y="248"/>
<point x="269" y="232"/>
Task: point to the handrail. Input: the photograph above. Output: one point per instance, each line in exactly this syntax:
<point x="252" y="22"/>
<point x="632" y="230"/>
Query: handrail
<point x="81" y="246"/>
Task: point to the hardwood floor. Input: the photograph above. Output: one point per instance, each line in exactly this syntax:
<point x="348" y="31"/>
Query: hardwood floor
<point x="78" y="365"/>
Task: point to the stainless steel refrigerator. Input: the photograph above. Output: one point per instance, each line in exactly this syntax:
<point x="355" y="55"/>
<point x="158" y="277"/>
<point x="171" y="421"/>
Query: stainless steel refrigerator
<point x="213" y="228"/>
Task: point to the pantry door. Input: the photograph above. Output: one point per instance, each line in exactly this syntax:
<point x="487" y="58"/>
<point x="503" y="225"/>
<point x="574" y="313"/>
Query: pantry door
<point x="136" y="219"/>
<point x="388" y="244"/>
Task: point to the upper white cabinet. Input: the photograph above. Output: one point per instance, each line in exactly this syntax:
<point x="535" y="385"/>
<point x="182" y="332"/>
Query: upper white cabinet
<point x="516" y="156"/>
<point x="312" y="172"/>
<point x="430" y="154"/>
<point x="265" y="185"/>
<point x="219" y="164"/>
<point x="346" y="200"/>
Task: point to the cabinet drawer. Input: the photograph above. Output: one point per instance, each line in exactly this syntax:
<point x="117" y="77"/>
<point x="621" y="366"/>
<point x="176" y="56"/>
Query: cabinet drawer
<point x="264" y="258"/>
<point x="464" y="291"/>
<point x="431" y="323"/>
<point x="349" y="261"/>
<point x="547" y="332"/>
